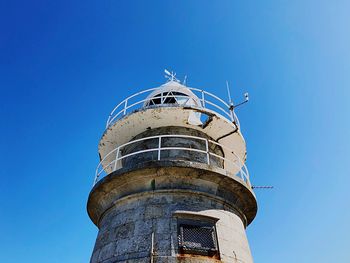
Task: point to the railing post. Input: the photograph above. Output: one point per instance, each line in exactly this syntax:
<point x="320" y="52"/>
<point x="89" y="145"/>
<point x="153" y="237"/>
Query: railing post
<point x="231" y="112"/>
<point x="125" y="105"/>
<point x="107" y="124"/>
<point x="233" y="116"/>
<point x="238" y="164"/>
<point x="203" y="99"/>
<point x="207" y="150"/>
<point x="116" y="160"/>
<point x="152" y="247"/>
<point x="96" y="176"/>
<point x="159" y="147"/>
<point x="241" y="174"/>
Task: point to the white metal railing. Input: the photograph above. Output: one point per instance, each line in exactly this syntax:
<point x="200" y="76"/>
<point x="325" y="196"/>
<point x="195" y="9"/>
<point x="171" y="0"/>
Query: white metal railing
<point x="113" y="160"/>
<point x="207" y="101"/>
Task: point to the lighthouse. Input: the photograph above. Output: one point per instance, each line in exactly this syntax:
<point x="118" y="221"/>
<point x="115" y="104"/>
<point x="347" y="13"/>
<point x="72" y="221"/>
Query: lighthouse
<point x="172" y="184"/>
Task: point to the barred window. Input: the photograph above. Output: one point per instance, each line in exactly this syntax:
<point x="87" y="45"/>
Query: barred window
<point x="198" y="238"/>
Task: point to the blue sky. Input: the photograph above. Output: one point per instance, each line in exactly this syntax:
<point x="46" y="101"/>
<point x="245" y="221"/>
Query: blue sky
<point x="65" y="64"/>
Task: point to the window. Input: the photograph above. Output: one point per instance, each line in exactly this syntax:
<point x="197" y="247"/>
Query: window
<point x="197" y="237"/>
<point x="171" y="97"/>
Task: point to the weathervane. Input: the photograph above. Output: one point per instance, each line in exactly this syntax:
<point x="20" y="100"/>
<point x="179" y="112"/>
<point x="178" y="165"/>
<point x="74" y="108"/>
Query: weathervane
<point x="170" y="75"/>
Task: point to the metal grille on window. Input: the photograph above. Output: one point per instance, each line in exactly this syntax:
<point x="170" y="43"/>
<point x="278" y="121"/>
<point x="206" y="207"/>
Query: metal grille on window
<point x="197" y="239"/>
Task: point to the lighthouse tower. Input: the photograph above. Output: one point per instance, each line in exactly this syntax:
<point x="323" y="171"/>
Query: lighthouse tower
<point x="172" y="185"/>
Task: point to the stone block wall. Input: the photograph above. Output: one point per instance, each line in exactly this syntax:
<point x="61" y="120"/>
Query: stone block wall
<point x="177" y="154"/>
<point x="125" y="230"/>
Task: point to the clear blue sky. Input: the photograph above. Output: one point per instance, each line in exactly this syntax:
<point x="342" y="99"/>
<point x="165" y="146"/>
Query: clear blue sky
<point x="65" y="64"/>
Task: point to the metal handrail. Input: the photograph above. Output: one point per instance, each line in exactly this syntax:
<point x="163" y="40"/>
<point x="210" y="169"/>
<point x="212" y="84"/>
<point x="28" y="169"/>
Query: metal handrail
<point x="205" y="98"/>
<point x="115" y="164"/>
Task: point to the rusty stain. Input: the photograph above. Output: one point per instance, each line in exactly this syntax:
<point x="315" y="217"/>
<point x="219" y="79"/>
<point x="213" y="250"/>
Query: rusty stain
<point x="183" y="257"/>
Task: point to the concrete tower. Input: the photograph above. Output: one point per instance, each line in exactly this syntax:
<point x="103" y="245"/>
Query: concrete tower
<point x="172" y="185"/>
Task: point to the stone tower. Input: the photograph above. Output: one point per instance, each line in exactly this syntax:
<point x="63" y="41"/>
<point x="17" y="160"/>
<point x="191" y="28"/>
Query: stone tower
<point x="172" y="185"/>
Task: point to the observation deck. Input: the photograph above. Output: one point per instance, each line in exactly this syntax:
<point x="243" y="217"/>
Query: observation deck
<point x="173" y="105"/>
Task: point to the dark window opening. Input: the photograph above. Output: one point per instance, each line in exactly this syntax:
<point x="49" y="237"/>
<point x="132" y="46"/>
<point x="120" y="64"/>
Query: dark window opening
<point x="198" y="238"/>
<point x="171" y="97"/>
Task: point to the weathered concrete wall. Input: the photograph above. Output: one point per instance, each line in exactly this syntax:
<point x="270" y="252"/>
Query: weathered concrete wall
<point x="125" y="230"/>
<point x="172" y="142"/>
<point x="172" y="175"/>
<point x="145" y="195"/>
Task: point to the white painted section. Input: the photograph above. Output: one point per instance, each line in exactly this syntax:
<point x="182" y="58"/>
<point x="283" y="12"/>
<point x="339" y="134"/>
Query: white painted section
<point x="125" y="129"/>
<point x="206" y="101"/>
<point x="232" y="238"/>
<point x="187" y="98"/>
<point x="173" y="86"/>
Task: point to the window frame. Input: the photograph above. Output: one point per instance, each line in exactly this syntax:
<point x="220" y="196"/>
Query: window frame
<point x="200" y="221"/>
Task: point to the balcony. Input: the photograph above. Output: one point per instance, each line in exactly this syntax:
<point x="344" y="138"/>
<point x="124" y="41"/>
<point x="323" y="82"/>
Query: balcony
<point x="167" y="147"/>
<point x="174" y="94"/>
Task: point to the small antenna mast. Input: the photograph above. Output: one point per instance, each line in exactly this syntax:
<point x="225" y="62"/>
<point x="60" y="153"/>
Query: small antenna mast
<point x="229" y="93"/>
<point x="232" y="106"/>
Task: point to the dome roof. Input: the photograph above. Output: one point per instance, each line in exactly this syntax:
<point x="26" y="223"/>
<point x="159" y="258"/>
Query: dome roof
<point x="175" y="91"/>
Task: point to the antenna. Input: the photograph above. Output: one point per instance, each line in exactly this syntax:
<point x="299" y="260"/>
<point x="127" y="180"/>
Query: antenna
<point x="184" y="82"/>
<point x="232" y="106"/>
<point x="262" y="187"/>
<point x="229" y="93"/>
